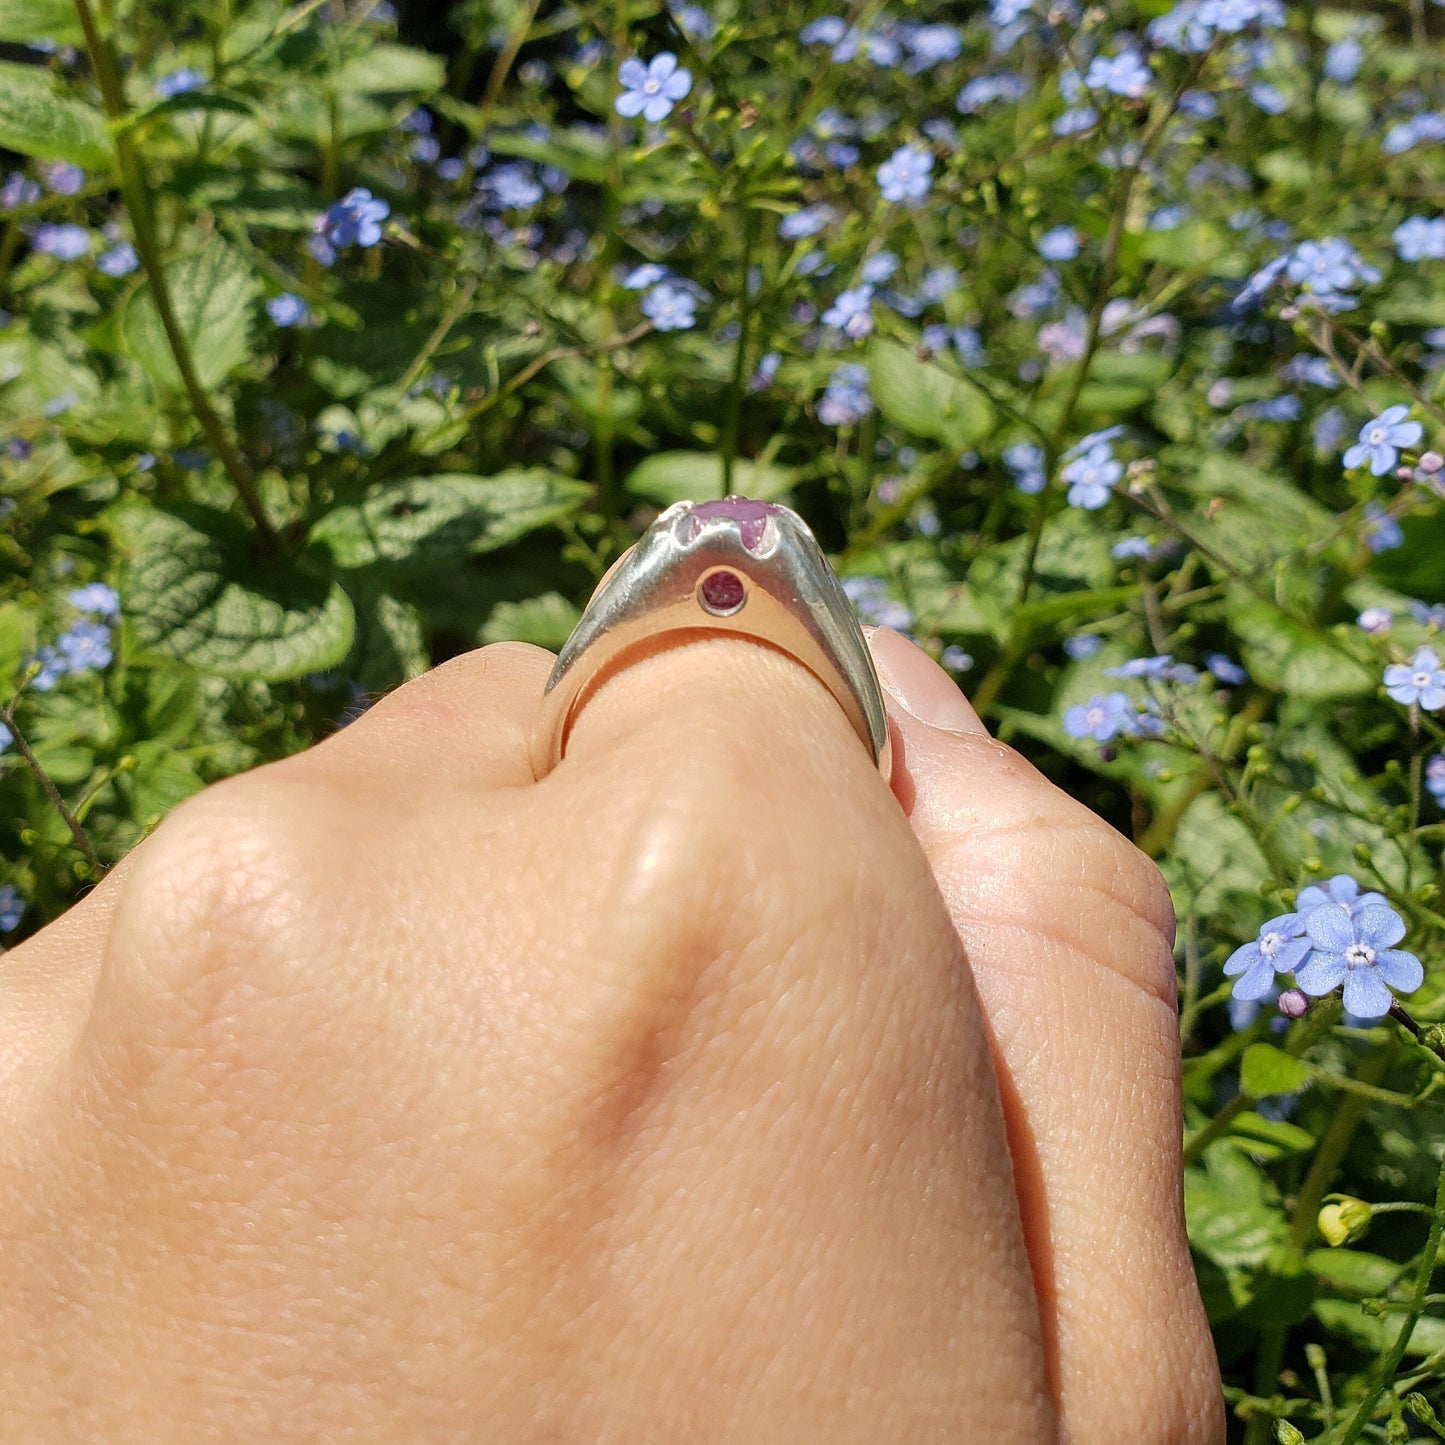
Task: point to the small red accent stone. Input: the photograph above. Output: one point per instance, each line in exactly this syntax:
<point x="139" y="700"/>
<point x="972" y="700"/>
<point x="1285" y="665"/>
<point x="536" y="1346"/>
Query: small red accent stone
<point x="722" y="592"/>
<point x="750" y="516"/>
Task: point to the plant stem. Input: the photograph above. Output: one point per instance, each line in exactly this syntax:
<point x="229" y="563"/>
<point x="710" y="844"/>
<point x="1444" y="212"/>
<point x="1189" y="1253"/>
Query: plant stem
<point x="1319" y="1020"/>
<point x="732" y="423"/>
<point x="502" y="66"/>
<point x="1327" y="1159"/>
<point x="1341" y="1130"/>
<point x="136" y="191"/>
<point x="557" y="353"/>
<point x="440" y="332"/>
<point x="47" y="786"/>
<point x="1390" y="1361"/>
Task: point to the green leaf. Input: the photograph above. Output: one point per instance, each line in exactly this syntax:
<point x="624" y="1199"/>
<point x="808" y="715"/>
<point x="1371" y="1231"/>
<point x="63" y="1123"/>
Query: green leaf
<point x="669" y="477"/>
<point x="1072" y="562"/>
<point x="191" y="591"/>
<point x="212" y="292"/>
<point x="440" y="520"/>
<point x="213" y="101"/>
<point x="1215" y="864"/>
<point x="1267" y="1070"/>
<point x="22" y="20"/>
<point x="1250" y="517"/>
<point x="1346" y="1318"/>
<point x="1417" y="566"/>
<point x="247" y="197"/>
<point x="1283" y="654"/>
<point x="576" y="152"/>
<point x="17" y="638"/>
<point x="923" y="398"/>
<point x="159" y="778"/>
<point x="37" y="120"/>
<point x="1270" y="1138"/>
<point x="1233" y="1209"/>
<point x="547" y="621"/>
<point x="390" y="645"/>
<point x="391" y="69"/>
<point x="1119" y="383"/>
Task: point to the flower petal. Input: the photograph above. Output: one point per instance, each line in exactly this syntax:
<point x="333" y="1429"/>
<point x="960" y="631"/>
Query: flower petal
<point x="1322" y="973"/>
<point x="632" y="73"/>
<point x="1331" y="928"/>
<point x="1289" y="925"/>
<point x="1379" y="926"/>
<point x="1244" y="957"/>
<point x="1365" y="994"/>
<point x="1292" y="955"/>
<point x="1256" y="981"/>
<point x="1401" y="970"/>
<point x="630" y="103"/>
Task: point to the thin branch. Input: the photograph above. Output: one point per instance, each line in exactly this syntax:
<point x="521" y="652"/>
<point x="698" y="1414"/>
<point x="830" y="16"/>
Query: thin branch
<point x="136" y="191"/>
<point x="77" y="832"/>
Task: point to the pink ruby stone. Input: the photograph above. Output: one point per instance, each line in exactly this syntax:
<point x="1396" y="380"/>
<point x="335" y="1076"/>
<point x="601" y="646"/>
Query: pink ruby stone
<point x="722" y="592"/>
<point x="751" y="517"/>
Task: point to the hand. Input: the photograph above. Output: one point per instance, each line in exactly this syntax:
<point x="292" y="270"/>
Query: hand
<point x="697" y="1092"/>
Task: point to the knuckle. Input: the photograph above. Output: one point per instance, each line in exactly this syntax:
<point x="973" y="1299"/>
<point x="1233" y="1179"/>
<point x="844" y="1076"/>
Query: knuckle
<point x="214" y="890"/>
<point x="1126" y="918"/>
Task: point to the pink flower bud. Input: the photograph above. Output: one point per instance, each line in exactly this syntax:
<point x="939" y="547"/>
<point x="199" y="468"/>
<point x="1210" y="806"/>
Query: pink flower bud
<point x="1292" y="1003"/>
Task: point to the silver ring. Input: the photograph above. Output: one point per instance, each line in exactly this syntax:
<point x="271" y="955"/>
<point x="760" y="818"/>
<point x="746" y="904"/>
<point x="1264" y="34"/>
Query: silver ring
<point x="732" y="566"/>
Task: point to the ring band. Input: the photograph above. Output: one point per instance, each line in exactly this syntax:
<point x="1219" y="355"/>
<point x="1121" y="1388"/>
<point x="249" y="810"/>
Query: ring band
<point x="733" y="567"/>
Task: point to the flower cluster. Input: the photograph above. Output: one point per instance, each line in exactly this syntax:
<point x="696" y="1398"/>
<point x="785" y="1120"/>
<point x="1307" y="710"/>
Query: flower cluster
<point x="1336" y="936"/>
<point x="85" y="646"/>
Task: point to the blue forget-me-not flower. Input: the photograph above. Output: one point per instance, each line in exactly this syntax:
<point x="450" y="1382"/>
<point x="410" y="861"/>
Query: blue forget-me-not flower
<point x="12" y="908"/>
<point x="62" y="240"/>
<point x="96" y="599"/>
<point x="852" y="312"/>
<point x="1124" y="74"/>
<point x="288" y="309"/>
<point x="846" y="401"/>
<point x="1381" y="439"/>
<point x="1420" y="238"/>
<point x="905" y="175"/>
<point x="119" y="260"/>
<point x="1281" y="947"/>
<point x="354" y="220"/>
<point x="670" y="307"/>
<point x="1091" y="476"/>
<point x="1358" y="951"/>
<point x="653" y="89"/>
<point x="1421" y="680"/>
<point x="1435" y="778"/>
<point x="179" y="82"/>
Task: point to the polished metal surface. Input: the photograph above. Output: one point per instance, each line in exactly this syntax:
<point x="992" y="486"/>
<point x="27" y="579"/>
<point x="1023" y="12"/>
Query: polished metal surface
<point x="791" y="599"/>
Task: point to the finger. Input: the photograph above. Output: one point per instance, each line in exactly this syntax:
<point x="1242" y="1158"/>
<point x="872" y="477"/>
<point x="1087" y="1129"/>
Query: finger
<point x="1068" y="929"/>
<point x="463" y="726"/>
<point x="825" y="1053"/>
<point x="467" y="720"/>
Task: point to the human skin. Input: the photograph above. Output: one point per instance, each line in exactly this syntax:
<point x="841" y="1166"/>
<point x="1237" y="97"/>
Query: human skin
<point x="708" y="1089"/>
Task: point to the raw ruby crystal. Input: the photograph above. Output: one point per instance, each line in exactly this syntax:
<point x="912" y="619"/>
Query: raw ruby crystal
<point x="750" y="516"/>
<point x="722" y="592"/>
